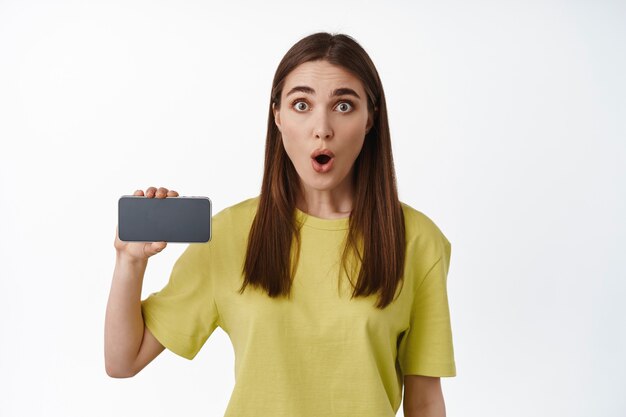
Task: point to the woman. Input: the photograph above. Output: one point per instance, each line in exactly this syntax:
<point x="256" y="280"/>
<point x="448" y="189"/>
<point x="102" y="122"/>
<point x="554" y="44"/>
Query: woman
<point x="332" y="291"/>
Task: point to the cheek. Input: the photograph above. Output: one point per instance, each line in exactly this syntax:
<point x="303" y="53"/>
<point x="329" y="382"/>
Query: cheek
<point x="295" y="139"/>
<point x="354" y="128"/>
<point x="290" y="143"/>
<point x="354" y="140"/>
<point x="291" y="131"/>
<point x="355" y="149"/>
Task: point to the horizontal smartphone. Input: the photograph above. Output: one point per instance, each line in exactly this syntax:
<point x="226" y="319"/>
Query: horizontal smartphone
<point x="171" y="219"/>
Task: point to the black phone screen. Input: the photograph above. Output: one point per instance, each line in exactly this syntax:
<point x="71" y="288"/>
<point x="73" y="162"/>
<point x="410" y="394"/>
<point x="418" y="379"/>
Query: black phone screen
<point x="171" y="219"/>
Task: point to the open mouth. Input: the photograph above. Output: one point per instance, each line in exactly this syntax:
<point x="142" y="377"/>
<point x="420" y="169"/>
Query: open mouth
<point x="322" y="159"/>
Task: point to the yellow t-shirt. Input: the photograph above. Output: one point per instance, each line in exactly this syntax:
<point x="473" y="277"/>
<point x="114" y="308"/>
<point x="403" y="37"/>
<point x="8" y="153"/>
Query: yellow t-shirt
<point x="320" y="353"/>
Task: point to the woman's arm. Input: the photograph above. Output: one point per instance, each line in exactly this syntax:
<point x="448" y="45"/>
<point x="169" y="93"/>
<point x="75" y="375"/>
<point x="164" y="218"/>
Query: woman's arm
<point x="128" y="344"/>
<point x="423" y="397"/>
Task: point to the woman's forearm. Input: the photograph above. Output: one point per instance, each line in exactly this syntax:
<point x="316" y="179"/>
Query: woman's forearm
<point x="124" y="325"/>
<point x="431" y="409"/>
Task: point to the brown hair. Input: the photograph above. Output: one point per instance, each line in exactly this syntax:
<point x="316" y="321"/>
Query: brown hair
<point x="376" y="234"/>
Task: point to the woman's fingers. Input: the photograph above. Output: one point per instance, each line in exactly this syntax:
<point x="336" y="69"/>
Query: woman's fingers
<point x="160" y="192"/>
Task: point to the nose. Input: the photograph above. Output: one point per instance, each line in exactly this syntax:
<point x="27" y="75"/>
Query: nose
<point x="322" y="128"/>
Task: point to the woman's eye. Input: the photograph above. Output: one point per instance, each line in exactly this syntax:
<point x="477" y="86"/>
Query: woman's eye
<point x="345" y="106"/>
<point x="300" y="105"/>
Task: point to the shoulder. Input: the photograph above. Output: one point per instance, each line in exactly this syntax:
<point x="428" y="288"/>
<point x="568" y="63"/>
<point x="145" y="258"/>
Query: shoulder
<point x="231" y="225"/>
<point x="423" y="235"/>
<point x="418" y="224"/>
<point x="243" y="210"/>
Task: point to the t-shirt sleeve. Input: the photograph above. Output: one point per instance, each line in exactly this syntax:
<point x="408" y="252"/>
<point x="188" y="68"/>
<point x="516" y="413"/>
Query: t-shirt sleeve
<point x="426" y="347"/>
<point x="183" y="314"/>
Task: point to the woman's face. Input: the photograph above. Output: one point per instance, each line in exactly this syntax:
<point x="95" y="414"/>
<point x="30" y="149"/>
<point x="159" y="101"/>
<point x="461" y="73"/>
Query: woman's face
<point x="323" y="110"/>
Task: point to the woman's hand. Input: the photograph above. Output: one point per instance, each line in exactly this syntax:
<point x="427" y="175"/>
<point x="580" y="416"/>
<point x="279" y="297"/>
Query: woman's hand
<point x="141" y="251"/>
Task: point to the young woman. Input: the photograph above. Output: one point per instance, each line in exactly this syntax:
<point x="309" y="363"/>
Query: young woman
<point x="332" y="291"/>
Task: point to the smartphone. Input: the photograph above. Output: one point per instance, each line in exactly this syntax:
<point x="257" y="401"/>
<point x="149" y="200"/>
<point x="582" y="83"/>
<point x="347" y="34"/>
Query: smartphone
<point x="171" y="219"/>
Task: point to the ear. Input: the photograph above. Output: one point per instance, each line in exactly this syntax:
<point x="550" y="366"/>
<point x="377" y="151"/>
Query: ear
<point x="276" y="115"/>
<point x="370" y="119"/>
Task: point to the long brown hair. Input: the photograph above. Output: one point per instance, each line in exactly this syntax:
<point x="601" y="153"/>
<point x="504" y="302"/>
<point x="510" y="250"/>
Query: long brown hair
<point x="376" y="234"/>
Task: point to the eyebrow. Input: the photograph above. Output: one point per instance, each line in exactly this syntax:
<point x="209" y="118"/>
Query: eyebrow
<point x="337" y="92"/>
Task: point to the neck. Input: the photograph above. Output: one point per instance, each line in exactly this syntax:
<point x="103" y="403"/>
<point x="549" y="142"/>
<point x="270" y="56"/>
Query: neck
<point x="326" y="204"/>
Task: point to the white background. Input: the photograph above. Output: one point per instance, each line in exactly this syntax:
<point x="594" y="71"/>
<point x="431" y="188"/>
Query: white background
<point x="508" y="129"/>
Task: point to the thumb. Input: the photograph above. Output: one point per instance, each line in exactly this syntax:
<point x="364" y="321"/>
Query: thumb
<point x="158" y="246"/>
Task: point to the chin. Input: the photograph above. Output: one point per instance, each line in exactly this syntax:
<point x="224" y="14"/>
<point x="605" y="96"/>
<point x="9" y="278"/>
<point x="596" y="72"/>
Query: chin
<point x="321" y="184"/>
